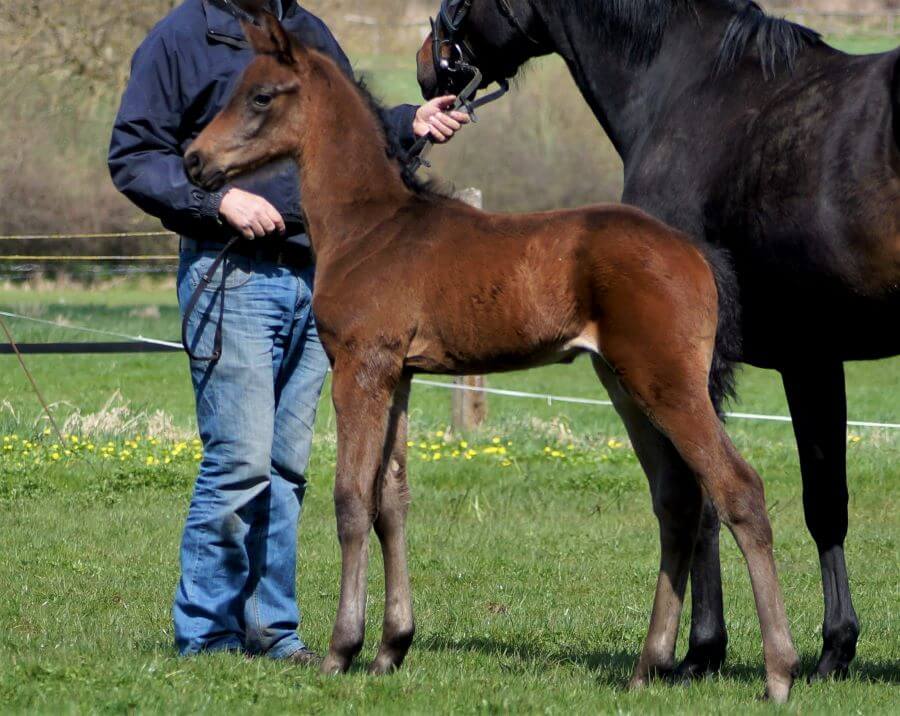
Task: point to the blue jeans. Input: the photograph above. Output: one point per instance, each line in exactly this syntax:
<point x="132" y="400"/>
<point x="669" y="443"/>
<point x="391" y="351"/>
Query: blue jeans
<point x="255" y="409"/>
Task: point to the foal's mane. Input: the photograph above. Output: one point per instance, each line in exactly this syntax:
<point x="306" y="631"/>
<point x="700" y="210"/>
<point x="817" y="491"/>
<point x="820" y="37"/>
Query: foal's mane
<point x="393" y="147"/>
<point x="637" y="28"/>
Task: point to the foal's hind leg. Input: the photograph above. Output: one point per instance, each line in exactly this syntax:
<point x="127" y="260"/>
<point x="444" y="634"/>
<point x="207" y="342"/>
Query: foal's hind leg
<point x="362" y="391"/>
<point x="674" y="394"/>
<point x="676" y="502"/>
<point x="390" y="526"/>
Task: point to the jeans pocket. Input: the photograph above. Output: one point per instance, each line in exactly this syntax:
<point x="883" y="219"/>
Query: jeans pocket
<point x="237" y="270"/>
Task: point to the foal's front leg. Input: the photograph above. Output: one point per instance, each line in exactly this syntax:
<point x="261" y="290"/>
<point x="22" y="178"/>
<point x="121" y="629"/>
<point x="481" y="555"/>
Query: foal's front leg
<point x="390" y="526"/>
<point x="362" y="398"/>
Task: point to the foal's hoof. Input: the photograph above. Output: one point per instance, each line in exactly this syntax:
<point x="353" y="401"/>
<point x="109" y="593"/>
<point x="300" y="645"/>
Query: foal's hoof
<point x="778" y="690"/>
<point x="638" y="683"/>
<point x="382" y="666"/>
<point x="334" y="666"/>
<point x="699" y="662"/>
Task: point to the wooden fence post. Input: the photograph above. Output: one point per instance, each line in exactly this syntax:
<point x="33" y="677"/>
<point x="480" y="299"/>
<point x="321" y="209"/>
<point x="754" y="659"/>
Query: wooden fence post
<point x="469" y="407"/>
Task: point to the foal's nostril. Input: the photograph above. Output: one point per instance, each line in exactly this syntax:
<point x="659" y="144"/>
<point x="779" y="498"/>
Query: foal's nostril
<point x="193" y="164"/>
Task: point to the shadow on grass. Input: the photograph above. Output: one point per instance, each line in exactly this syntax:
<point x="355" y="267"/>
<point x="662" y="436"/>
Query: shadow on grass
<point x="614" y="667"/>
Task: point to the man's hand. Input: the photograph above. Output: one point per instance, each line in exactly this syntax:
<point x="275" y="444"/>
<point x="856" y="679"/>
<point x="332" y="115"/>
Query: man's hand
<point x="250" y="214"/>
<point x="434" y="118"/>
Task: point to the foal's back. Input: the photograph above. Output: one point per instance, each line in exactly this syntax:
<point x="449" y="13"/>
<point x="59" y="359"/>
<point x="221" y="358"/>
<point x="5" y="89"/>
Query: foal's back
<point x="485" y="291"/>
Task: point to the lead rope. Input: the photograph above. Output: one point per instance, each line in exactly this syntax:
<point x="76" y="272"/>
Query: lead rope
<point x="202" y="285"/>
<point x="34" y="385"/>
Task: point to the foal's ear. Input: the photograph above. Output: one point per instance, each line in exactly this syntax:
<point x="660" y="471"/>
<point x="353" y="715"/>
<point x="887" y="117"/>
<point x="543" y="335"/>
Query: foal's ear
<point x="268" y="37"/>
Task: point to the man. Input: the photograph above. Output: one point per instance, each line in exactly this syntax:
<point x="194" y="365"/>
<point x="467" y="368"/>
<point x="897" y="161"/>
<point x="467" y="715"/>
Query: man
<point x="256" y="405"/>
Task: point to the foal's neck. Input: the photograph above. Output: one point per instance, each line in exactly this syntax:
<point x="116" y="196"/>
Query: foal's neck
<point x="350" y="185"/>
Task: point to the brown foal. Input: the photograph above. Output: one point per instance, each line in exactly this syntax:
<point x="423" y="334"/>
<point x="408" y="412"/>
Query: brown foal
<point x="409" y="281"/>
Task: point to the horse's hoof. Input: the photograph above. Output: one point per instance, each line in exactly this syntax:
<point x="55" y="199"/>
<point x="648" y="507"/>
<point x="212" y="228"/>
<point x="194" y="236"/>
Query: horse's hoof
<point x="699" y="662"/>
<point x="836" y="658"/>
<point x="830" y="667"/>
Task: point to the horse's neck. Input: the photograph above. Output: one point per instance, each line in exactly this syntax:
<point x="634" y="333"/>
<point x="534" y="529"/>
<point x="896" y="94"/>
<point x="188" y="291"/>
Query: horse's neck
<point x="628" y="96"/>
<point x="349" y="183"/>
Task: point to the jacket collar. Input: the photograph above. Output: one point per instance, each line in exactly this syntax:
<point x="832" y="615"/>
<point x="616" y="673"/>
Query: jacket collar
<point x="223" y="26"/>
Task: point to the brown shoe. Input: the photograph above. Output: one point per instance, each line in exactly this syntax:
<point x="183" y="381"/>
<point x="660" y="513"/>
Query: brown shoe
<point x="305" y="657"/>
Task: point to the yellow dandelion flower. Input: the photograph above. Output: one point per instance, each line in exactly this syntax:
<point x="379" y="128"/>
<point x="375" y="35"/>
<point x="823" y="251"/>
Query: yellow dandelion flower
<point x="436" y="456"/>
<point x="410" y="444"/>
<point x="198" y="456"/>
<point x="496" y="441"/>
<point x="506" y="463"/>
<point x="463" y="444"/>
<point x="556" y="453"/>
<point x="46" y="431"/>
<point x="55" y="456"/>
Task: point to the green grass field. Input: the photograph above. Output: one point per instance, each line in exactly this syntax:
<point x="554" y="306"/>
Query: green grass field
<point x="533" y="561"/>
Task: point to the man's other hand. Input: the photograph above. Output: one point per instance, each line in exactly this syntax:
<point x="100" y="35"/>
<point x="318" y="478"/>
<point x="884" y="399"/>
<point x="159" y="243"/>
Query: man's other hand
<point x="435" y="118"/>
<point x="251" y="215"/>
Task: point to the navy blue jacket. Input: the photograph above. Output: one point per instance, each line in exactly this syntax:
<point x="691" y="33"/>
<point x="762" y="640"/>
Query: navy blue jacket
<point x="181" y="77"/>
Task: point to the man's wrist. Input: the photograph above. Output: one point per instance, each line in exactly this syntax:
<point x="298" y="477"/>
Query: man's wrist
<point x="212" y="204"/>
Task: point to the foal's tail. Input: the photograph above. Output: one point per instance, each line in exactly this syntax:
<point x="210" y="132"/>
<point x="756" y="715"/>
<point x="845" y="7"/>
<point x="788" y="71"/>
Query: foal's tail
<point x="728" y="334"/>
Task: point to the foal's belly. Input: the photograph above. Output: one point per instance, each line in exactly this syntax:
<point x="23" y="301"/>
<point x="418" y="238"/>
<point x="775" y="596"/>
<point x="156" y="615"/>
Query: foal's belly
<point x="437" y="355"/>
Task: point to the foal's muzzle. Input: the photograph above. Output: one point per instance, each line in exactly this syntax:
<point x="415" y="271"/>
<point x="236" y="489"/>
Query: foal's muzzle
<point x="201" y="172"/>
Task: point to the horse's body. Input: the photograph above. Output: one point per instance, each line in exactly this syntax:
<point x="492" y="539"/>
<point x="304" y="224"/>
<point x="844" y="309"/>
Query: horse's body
<point x="408" y="281"/>
<point x="749" y="133"/>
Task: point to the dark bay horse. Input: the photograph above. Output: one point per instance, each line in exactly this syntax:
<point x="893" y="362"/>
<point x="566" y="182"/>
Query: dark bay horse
<point x="751" y="133"/>
<point x="409" y="281"/>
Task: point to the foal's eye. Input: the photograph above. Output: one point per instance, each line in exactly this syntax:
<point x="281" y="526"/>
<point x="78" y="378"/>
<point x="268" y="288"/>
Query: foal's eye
<point x="262" y="101"/>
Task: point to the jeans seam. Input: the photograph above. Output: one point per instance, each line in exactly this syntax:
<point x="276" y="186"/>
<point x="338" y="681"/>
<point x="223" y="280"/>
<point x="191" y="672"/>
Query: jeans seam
<point x="254" y="597"/>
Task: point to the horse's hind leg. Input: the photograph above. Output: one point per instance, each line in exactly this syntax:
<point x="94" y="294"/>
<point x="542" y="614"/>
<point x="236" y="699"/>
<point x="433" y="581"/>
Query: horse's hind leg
<point x="676" y="501"/>
<point x="672" y="389"/>
<point x="390" y="526"/>
<point x="708" y="640"/>
<point x="818" y="402"/>
<point x="362" y="390"/>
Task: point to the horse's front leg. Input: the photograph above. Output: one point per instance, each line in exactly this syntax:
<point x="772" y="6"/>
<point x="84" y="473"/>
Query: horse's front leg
<point x="362" y="390"/>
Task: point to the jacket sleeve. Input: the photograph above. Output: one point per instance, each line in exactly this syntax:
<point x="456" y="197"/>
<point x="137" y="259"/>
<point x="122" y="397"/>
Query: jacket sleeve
<point x="400" y="118"/>
<point x="145" y="155"/>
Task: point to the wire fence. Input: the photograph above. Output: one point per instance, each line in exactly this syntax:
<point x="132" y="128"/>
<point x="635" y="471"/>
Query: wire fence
<point x="132" y="344"/>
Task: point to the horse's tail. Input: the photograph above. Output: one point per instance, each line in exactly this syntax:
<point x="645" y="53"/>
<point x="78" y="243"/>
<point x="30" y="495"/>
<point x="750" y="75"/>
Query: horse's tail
<point x="895" y="99"/>
<point x="722" y="383"/>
